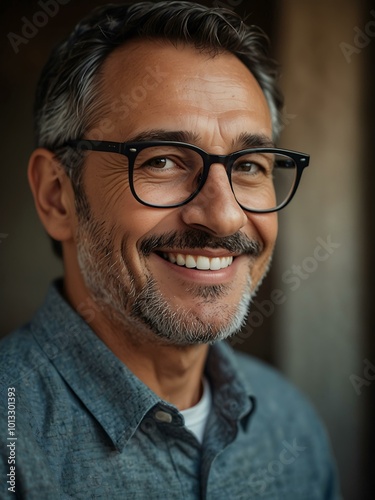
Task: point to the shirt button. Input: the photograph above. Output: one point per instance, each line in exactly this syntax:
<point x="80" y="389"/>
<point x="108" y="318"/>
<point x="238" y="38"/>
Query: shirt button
<point x="163" y="416"/>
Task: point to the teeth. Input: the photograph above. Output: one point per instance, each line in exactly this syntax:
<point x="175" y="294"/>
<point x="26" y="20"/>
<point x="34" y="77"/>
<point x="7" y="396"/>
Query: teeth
<point x="180" y="260"/>
<point x="200" y="262"/>
<point x="203" y="263"/>
<point x="171" y="258"/>
<point x="215" y="264"/>
<point x="190" y="262"/>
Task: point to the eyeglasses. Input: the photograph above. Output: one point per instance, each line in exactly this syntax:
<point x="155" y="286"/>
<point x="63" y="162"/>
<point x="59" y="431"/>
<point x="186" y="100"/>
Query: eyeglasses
<point x="164" y="174"/>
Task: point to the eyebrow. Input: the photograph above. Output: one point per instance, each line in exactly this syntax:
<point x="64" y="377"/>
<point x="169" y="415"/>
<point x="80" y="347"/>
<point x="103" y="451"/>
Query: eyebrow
<point x="243" y="141"/>
<point x="246" y="140"/>
<point x="166" y="135"/>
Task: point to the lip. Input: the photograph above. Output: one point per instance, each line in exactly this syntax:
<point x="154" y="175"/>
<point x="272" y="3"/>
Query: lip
<point x="208" y="277"/>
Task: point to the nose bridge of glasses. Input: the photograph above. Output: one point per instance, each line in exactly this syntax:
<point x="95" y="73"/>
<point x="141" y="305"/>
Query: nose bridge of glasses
<point x="216" y="161"/>
<point x="224" y="160"/>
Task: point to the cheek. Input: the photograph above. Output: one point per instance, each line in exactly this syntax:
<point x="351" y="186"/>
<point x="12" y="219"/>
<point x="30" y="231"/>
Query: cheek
<point x="112" y="201"/>
<point x="266" y="227"/>
<point x="111" y="191"/>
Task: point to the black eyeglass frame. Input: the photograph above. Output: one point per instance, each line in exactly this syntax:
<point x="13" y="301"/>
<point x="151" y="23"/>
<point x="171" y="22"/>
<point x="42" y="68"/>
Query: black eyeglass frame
<point x="132" y="149"/>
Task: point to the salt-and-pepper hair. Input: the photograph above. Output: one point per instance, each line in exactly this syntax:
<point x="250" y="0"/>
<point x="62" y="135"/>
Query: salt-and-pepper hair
<point x="67" y="96"/>
<point x="69" y="100"/>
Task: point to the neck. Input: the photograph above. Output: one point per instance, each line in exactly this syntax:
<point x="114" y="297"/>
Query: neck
<point x="174" y="373"/>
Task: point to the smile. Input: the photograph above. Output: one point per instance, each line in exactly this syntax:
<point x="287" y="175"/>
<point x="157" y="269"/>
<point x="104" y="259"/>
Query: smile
<point x="200" y="262"/>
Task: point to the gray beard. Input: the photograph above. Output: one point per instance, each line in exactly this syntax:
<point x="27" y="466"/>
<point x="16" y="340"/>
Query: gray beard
<point x="144" y="314"/>
<point x="181" y="327"/>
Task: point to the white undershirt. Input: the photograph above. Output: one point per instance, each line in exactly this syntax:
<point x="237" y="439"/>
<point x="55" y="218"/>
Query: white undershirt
<point x="196" y="416"/>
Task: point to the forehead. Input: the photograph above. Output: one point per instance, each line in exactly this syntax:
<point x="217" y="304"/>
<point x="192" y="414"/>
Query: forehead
<point x="152" y="84"/>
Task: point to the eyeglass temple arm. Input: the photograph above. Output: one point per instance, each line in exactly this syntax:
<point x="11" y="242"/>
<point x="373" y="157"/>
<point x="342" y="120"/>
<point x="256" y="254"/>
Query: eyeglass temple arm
<point x="105" y="146"/>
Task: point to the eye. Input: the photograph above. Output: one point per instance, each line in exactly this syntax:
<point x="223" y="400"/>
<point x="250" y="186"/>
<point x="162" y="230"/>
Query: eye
<point x="249" y="167"/>
<point x="160" y="163"/>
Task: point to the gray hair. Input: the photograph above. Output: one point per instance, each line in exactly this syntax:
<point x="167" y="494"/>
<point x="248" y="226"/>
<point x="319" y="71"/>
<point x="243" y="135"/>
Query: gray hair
<point x="68" y="98"/>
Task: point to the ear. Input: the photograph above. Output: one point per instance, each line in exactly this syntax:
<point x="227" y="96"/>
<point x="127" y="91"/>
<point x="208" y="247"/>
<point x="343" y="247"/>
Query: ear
<point x="53" y="194"/>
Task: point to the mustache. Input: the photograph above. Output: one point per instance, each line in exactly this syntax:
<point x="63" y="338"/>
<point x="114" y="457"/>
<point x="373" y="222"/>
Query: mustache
<point x="192" y="239"/>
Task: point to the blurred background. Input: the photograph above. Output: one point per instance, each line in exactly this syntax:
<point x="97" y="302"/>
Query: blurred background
<point x="313" y="318"/>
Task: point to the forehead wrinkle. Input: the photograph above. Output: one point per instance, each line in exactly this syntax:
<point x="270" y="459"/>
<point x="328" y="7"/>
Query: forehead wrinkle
<point x="234" y="107"/>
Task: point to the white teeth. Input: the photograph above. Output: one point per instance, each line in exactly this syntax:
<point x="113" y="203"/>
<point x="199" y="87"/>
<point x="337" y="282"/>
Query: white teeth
<point x="203" y="263"/>
<point x="190" y="262"/>
<point x="180" y="260"/>
<point x="215" y="264"/>
<point x="170" y="257"/>
<point x="200" y="262"/>
<point x="225" y="262"/>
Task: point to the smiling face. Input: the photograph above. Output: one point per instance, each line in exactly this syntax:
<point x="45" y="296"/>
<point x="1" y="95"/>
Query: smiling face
<point x="182" y="275"/>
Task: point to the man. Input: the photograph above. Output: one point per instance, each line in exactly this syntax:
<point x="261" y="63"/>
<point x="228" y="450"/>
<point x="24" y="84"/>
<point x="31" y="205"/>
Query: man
<point x="157" y="178"/>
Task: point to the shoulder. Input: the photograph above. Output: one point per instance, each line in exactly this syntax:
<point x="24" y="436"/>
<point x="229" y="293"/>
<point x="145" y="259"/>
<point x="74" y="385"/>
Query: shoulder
<point x="266" y="379"/>
<point x="281" y="408"/>
<point x="20" y="357"/>
<point x="278" y="400"/>
<point x="24" y="372"/>
<point x="285" y="423"/>
<point x="28" y="355"/>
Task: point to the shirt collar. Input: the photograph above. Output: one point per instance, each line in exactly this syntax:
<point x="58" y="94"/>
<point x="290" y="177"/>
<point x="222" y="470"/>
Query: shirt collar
<point x="232" y="393"/>
<point x="110" y="391"/>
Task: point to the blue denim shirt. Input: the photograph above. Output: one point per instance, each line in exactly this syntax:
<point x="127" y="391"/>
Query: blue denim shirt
<point x="85" y="427"/>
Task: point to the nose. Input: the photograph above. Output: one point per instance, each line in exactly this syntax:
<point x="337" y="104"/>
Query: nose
<point x="215" y="209"/>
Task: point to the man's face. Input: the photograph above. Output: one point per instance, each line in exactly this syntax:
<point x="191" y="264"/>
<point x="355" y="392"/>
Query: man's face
<point x="127" y="252"/>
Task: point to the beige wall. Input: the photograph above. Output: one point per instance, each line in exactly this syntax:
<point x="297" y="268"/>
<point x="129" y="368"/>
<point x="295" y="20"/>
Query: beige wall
<point x="321" y="341"/>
